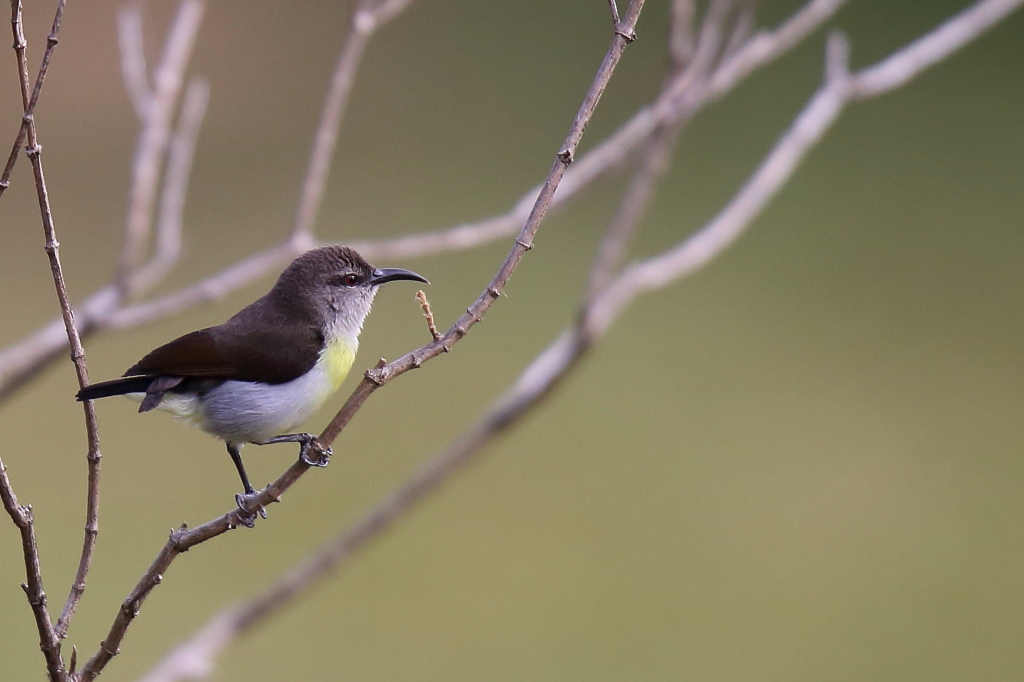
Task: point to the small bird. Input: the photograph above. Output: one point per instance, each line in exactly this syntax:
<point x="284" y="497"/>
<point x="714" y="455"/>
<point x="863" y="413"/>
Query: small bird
<point x="269" y="367"/>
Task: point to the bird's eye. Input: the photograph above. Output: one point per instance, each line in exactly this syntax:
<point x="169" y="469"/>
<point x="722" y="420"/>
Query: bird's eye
<point x="349" y="280"/>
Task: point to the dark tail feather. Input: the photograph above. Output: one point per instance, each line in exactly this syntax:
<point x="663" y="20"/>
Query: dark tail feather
<point x="120" y="386"/>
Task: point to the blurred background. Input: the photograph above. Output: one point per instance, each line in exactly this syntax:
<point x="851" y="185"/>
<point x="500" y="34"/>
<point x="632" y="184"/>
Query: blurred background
<point x="803" y="463"/>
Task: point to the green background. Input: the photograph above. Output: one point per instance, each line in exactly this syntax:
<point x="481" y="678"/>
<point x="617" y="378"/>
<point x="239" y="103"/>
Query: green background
<point x="804" y="463"/>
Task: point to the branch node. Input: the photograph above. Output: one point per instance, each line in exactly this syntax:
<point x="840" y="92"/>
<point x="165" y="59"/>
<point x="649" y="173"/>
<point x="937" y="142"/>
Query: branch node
<point x="528" y="247"/>
<point x="566" y="156"/>
<point x="376" y="375"/>
<point x="177" y="536"/>
<point x="628" y="36"/>
<point x="34" y="151"/>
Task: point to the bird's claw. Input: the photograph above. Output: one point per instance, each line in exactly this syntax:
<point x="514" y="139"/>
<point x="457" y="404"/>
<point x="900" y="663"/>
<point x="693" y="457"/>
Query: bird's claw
<point x="313" y="453"/>
<point x="246" y="516"/>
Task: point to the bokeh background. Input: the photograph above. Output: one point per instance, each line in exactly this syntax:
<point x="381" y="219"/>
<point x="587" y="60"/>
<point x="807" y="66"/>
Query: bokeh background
<point x="804" y="463"/>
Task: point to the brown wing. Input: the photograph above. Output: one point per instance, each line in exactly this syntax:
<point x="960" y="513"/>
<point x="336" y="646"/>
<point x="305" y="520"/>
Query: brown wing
<point x="275" y="354"/>
<point x="191" y="355"/>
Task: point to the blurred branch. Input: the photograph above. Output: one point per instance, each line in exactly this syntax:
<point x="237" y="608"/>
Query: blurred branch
<point x="33" y="585"/>
<point x="157" y="116"/>
<point x="183" y="539"/>
<point x="614" y="7"/>
<point x="194" y="659"/>
<point x="50" y="636"/>
<point x="172" y="199"/>
<point x="133" y="60"/>
<point x="369" y="16"/>
<point x="28" y="101"/>
<point x="105" y="309"/>
<point x="681" y="38"/>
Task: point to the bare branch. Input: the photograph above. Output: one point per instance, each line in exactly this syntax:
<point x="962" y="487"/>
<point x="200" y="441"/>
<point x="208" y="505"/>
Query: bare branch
<point x="172" y="200"/>
<point x="365" y="22"/>
<point x="927" y="51"/>
<point x="154" y="137"/>
<point x="133" y="60"/>
<point x="742" y="29"/>
<point x="34" y="152"/>
<point x="681" y="38"/>
<point x="49" y="642"/>
<point x="614" y="7"/>
<point x="812" y="123"/>
<point x="28" y="103"/>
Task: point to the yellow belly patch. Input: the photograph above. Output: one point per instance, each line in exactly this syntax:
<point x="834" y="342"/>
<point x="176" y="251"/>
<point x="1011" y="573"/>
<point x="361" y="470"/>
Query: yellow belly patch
<point x="336" y="360"/>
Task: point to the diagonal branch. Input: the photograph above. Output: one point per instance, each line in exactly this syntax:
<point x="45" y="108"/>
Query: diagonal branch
<point x="49" y="642"/>
<point x="172" y="198"/>
<point x="155" y="136"/>
<point x="34" y="152"/>
<point x="367" y="19"/>
<point x="133" y="60"/>
<point x="28" y="101"/>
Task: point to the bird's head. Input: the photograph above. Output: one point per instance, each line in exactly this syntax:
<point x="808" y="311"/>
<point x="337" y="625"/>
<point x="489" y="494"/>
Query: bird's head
<point x="335" y="286"/>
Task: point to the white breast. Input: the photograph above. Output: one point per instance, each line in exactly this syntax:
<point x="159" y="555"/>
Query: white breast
<point x="245" y="412"/>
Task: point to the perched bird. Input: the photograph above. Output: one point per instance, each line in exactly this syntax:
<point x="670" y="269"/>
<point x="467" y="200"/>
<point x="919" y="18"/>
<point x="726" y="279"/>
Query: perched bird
<point x="269" y="367"/>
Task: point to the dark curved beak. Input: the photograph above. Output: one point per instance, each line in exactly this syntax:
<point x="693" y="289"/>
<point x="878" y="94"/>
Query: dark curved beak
<point x="382" y="275"/>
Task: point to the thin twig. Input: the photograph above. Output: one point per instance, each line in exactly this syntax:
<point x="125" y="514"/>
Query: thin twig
<point x="614" y="7"/>
<point x="49" y="642"/>
<point x="194" y="659"/>
<point x="367" y="18"/>
<point x="34" y="152"/>
<point x="428" y="314"/>
<point x="133" y="60"/>
<point x="183" y="539"/>
<point x="742" y="29"/>
<point x="29" y="103"/>
<point x="154" y="138"/>
<point x="681" y="41"/>
<point x="175" y="187"/>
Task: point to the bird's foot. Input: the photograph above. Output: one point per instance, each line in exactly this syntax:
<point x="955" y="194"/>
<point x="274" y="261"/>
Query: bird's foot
<point x="247" y="516"/>
<point x="313" y="453"/>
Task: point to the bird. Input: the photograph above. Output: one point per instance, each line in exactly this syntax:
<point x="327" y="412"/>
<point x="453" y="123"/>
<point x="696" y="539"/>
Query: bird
<point x="269" y="367"/>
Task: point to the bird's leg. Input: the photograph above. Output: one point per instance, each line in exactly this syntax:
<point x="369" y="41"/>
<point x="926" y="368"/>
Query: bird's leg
<point x="319" y="457"/>
<point x="248" y="517"/>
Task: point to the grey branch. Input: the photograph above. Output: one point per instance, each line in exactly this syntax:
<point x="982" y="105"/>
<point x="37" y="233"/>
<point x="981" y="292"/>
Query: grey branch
<point x="155" y="135"/>
<point x="133" y="60"/>
<point x="195" y="658"/>
<point x="49" y="636"/>
<point x="28" y="101"/>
